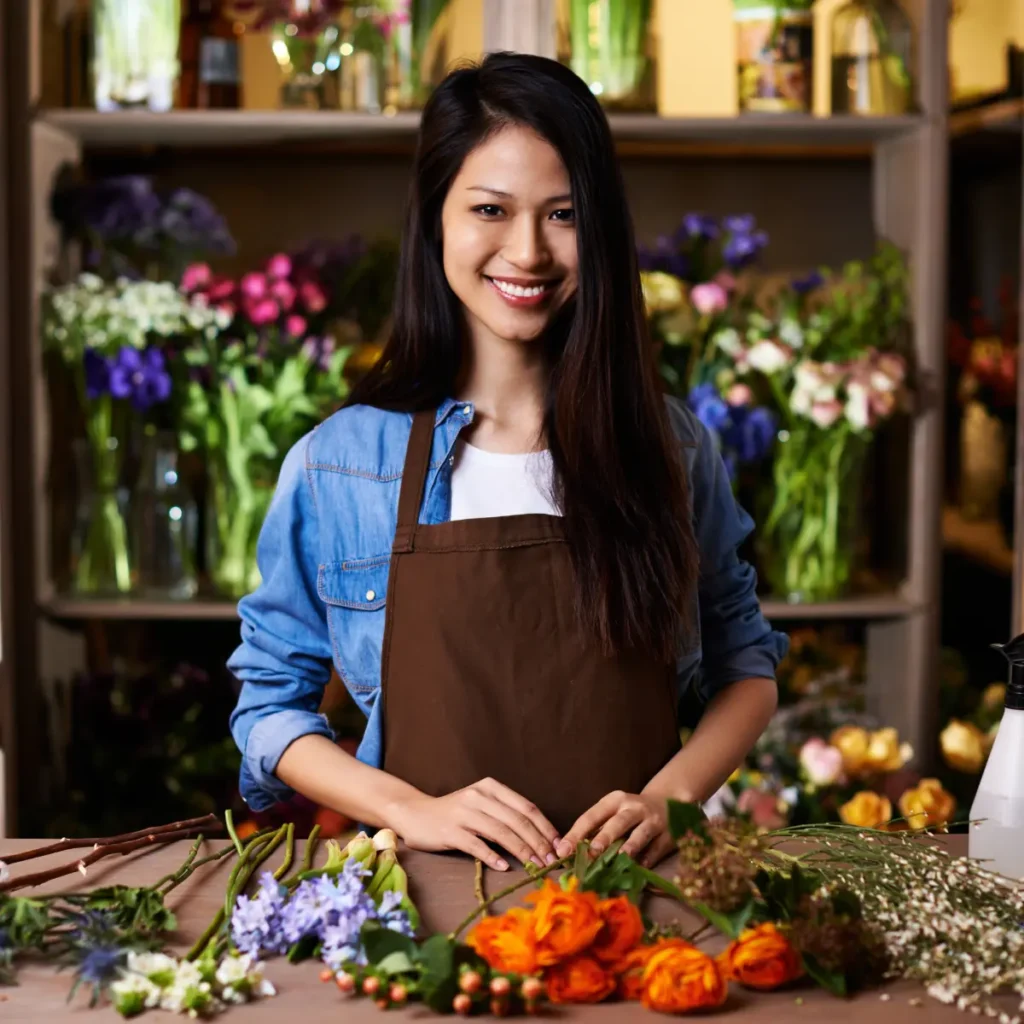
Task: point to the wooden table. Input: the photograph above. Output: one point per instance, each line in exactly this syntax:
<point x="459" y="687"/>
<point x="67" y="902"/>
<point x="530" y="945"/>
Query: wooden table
<point x="442" y="887"/>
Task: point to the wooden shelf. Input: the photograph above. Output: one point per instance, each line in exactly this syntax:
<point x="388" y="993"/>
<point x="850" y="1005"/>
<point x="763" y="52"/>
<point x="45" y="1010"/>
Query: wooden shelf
<point x="219" y="129"/>
<point x="982" y="540"/>
<point x="1006" y="116"/>
<point x="875" y="606"/>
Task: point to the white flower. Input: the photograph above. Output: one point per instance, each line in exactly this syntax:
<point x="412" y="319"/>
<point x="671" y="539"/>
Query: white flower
<point x="148" y="964"/>
<point x="769" y="357"/>
<point x="132" y="993"/>
<point x="858" y="405"/>
<point x="728" y="340"/>
<point x="791" y="333"/>
<point x="825" y="414"/>
<point x="801" y="401"/>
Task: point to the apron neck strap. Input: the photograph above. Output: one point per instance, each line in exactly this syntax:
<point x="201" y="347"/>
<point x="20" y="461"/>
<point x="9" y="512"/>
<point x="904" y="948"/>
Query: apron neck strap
<point x="414" y="478"/>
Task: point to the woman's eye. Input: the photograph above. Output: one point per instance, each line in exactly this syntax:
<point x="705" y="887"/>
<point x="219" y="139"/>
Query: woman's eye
<point x="567" y="216"/>
<point x="488" y="210"/>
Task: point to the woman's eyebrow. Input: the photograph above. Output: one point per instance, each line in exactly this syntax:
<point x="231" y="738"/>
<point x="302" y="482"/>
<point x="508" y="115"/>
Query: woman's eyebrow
<point x="566" y="197"/>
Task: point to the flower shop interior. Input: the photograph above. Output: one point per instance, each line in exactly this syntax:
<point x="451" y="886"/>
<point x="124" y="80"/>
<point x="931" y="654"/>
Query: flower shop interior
<point x="200" y="203"/>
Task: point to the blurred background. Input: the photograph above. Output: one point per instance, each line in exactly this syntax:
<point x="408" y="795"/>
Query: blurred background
<point x="199" y="211"/>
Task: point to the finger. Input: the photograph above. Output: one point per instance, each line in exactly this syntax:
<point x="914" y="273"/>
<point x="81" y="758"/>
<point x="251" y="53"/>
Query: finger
<point x="529" y="810"/>
<point x="625" y="819"/>
<point x="645" y="832"/>
<point x="469" y="842"/>
<point x="483" y="824"/>
<point x="588" y="822"/>
<point x="659" y="849"/>
<point x="543" y="853"/>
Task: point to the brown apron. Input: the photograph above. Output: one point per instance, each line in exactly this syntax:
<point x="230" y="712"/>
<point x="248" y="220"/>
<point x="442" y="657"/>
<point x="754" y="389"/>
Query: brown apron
<point x="485" y="672"/>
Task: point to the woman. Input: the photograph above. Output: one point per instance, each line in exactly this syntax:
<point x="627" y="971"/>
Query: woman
<point x="518" y="556"/>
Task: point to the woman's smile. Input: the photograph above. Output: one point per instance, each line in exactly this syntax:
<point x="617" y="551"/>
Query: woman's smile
<point x="522" y="291"/>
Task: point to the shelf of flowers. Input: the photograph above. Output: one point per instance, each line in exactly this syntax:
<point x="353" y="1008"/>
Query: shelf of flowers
<point x="269" y="127"/>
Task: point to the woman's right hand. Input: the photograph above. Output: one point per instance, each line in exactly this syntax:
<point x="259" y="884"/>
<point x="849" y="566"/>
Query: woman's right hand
<point x="464" y="819"/>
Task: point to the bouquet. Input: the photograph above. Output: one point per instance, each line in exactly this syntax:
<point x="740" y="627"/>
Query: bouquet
<point x="249" y="393"/>
<point x="112" y="338"/>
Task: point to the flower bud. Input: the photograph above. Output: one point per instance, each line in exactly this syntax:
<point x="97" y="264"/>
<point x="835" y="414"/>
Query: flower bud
<point x="346" y="983"/>
<point x="470" y="982"/>
<point x="398" y="993"/>
<point x="326" y="974"/>
<point x="462" y="1004"/>
<point x="532" y="989"/>
<point x="500" y="986"/>
<point x="499" y="1007"/>
<point x="382" y="1004"/>
<point x="371" y="985"/>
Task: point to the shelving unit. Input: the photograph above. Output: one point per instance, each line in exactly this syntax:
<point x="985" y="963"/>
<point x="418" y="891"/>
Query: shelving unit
<point x="896" y="189"/>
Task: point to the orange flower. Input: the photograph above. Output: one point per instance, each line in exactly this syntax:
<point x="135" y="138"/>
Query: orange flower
<point x="506" y="941"/>
<point x="580" y="979"/>
<point x="866" y="810"/>
<point x="565" y="922"/>
<point x="680" y="978"/>
<point x="927" y="804"/>
<point x="761" y="957"/>
<point x="630" y="968"/>
<point x="623" y="929"/>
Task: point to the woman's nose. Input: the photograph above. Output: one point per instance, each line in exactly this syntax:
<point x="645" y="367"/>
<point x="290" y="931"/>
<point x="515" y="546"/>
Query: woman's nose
<point x="527" y="246"/>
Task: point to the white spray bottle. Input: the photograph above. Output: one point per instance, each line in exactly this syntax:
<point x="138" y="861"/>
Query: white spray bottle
<point x="998" y="808"/>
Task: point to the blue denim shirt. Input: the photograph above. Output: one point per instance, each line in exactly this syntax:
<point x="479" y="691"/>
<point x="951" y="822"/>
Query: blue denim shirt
<point x="324" y="551"/>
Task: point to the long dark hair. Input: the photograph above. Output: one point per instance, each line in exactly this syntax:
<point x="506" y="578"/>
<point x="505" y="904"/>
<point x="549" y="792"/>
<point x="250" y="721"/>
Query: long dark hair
<point x="620" y="482"/>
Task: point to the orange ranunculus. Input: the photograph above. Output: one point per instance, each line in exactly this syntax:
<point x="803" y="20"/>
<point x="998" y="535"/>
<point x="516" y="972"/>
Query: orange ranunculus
<point x="680" y="978"/>
<point x="762" y="958"/>
<point x="565" y="921"/>
<point x="927" y="804"/>
<point x="246" y="828"/>
<point x="580" y="979"/>
<point x="506" y="941"/>
<point x="852" y="742"/>
<point x="630" y="968"/>
<point x="885" y="753"/>
<point x="866" y="810"/>
<point x="623" y="929"/>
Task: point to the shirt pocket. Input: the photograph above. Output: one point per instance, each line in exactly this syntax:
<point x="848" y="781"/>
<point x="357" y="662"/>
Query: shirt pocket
<point x="354" y="592"/>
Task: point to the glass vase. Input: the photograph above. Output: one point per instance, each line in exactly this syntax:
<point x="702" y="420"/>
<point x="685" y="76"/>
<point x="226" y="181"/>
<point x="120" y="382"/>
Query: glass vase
<point x="362" y="74"/>
<point x="237" y="502"/>
<point x="309" y="62"/>
<point x="774" y="55"/>
<point x="872" y="42"/>
<point x="808" y="532"/>
<point x="164" y="521"/>
<point x="100" y="561"/>
<point x="984" y="459"/>
<point x="611" y="45"/>
<point x="135" y="62"/>
<point x="417" y="47"/>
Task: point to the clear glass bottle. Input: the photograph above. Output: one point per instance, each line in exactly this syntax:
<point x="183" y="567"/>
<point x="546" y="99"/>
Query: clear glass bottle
<point x="164" y="520"/>
<point x="362" y="75"/>
<point x="774" y="56"/>
<point x="997" y="814"/>
<point x="872" y="53"/>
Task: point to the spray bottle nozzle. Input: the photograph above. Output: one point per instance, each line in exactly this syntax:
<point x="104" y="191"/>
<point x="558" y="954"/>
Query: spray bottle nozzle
<point x="1014" y="654"/>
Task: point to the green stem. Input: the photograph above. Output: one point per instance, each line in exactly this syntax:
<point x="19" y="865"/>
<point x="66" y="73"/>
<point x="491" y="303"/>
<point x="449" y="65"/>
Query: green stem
<point x="307" y="860"/>
<point x="229" y="821"/>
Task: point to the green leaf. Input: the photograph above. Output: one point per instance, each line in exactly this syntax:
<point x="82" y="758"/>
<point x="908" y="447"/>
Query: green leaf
<point x="303" y="949"/>
<point x="601" y="862"/>
<point x="831" y="981"/>
<point x="686" y="818"/>
<point x="731" y="924"/>
<point x="582" y="861"/>
<point x="381" y="943"/>
<point x="396" y="963"/>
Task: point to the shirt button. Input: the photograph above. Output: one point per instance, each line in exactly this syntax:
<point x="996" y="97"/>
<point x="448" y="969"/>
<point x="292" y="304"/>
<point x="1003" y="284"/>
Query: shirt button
<point x="370" y="595"/>
<point x="451" y="460"/>
<point x="467" y="409"/>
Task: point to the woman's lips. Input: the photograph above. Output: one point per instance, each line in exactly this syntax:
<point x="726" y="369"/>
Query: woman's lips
<point x="525" y="300"/>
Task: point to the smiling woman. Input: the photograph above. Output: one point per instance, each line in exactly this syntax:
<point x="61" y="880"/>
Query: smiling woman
<point x="517" y="553"/>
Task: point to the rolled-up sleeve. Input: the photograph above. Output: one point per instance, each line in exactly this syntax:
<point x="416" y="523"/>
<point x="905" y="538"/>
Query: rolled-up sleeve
<point x="284" y="659"/>
<point x="737" y="641"/>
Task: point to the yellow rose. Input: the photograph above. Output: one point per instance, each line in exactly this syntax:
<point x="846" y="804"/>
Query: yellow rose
<point x="852" y="742"/>
<point x="866" y="810"/>
<point x="885" y="753"/>
<point x="963" y="746"/>
<point x="662" y="292"/>
<point x="927" y="804"/>
<point x="994" y="696"/>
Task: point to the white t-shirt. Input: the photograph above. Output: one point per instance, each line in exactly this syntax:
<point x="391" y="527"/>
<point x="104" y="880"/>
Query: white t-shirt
<point x="488" y="484"/>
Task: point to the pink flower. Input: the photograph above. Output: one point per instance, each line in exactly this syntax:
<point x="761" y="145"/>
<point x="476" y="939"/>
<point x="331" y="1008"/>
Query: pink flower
<point x="254" y="286"/>
<point x="822" y="763"/>
<point x="739" y="394"/>
<point x="763" y="808"/>
<point x="883" y="404"/>
<point x="709" y="298"/>
<point x="295" y="326"/>
<point x="726" y="280"/>
<point x="222" y="289"/>
<point x="826" y="413"/>
<point x="279" y="266"/>
<point x="195" y="277"/>
<point x="284" y="293"/>
<point x="263" y="311"/>
<point x="312" y="296"/>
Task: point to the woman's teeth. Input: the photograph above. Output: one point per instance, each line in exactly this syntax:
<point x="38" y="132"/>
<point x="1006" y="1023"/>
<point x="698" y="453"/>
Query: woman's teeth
<point x="519" y="290"/>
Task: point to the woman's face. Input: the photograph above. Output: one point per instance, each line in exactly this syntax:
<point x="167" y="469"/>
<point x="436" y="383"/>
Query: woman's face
<point x="509" y="236"/>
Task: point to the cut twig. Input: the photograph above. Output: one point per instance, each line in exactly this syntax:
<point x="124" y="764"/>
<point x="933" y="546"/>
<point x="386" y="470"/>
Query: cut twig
<point x="99" y="852"/>
<point x="478" y="888"/>
<point x="208" y="823"/>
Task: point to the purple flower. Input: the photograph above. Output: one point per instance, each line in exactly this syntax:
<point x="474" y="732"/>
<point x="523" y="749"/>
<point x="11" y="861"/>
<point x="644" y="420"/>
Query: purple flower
<point x="115" y="209"/>
<point x="699" y="226"/>
<point x="741" y="250"/>
<point x="754" y="434"/>
<point x="192" y="222"/>
<point x="664" y="257"/>
<point x="740" y="224"/>
<point x="140" y="376"/>
<point x="256" y="922"/>
<point x="708" y="406"/>
<point x="101" y="964"/>
<point x="97" y="374"/>
<point x="803" y="285"/>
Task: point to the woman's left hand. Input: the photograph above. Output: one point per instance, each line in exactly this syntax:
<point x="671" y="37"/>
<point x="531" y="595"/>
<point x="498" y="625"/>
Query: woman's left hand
<point x="641" y="817"/>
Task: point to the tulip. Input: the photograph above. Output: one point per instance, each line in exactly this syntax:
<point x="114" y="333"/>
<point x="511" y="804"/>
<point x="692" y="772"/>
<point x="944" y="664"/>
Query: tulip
<point x="822" y="763"/>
